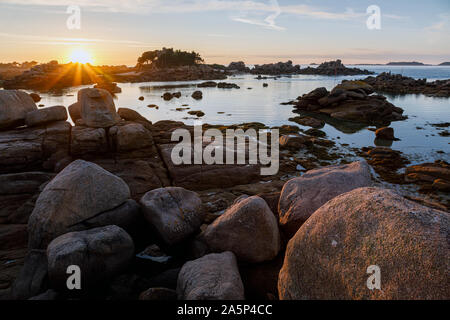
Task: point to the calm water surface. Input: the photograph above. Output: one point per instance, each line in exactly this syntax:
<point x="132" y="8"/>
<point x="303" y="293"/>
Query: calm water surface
<point x="419" y="140"/>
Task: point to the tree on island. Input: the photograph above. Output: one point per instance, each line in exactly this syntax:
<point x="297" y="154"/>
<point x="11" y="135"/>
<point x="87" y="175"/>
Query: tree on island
<point x="168" y="58"/>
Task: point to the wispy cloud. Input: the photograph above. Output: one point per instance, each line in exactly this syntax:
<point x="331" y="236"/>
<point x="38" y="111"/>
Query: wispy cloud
<point x="257" y="12"/>
<point x="69" y="41"/>
<point x="439" y="31"/>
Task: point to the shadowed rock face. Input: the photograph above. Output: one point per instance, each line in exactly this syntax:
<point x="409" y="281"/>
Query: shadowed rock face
<point x="81" y="191"/>
<point x="14" y="106"/>
<point x="100" y="253"/>
<point x="175" y="212"/>
<point x="302" y="196"/>
<point x="249" y="229"/>
<point x="212" y="277"/>
<point x="329" y="256"/>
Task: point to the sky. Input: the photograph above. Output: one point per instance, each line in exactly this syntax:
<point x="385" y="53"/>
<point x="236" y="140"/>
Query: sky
<point x="116" y="32"/>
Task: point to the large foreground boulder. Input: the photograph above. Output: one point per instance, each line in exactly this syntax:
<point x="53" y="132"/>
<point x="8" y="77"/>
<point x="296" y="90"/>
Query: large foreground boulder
<point x="212" y="277"/>
<point x="176" y="213"/>
<point x="100" y="254"/>
<point x="97" y="108"/>
<point x="330" y="255"/>
<point x="82" y="191"/>
<point x="302" y="196"/>
<point x="249" y="229"/>
<point x="14" y="106"/>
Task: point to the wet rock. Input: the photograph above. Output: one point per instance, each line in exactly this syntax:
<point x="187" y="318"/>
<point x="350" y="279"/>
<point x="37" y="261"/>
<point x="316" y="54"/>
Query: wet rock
<point x="249" y="229"/>
<point x="430" y="175"/>
<point x="36" y="97"/>
<point x="385" y="134"/>
<point x="208" y="84"/>
<point x="167" y="96"/>
<point x="197" y="95"/>
<point x="225" y="85"/>
<point x="386" y="162"/>
<point x="302" y="196"/>
<point x="100" y="254"/>
<point x="44" y="116"/>
<point x="97" y="108"/>
<point x="14" y="106"/>
<point x="293" y="141"/>
<point x="369" y="226"/>
<point x="176" y="213"/>
<point x="316" y="133"/>
<point x="308" y="122"/>
<point x="80" y="192"/>
<point x="212" y="277"/>
<point x="199" y="114"/>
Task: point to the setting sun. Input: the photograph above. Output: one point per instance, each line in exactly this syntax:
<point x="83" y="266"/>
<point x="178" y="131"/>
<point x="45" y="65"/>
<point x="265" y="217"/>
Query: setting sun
<point x="80" y="56"/>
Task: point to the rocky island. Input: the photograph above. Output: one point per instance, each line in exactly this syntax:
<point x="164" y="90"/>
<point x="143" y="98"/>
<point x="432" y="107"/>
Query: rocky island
<point x="352" y="101"/>
<point x="397" y="84"/>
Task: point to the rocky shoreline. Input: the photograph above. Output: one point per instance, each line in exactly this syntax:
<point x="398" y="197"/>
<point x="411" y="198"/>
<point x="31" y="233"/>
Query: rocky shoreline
<point x="173" y="230"/>
<point x="398" y="84"/>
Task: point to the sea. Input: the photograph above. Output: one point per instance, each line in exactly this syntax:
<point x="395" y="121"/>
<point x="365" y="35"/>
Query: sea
<point x="418" y="138"/>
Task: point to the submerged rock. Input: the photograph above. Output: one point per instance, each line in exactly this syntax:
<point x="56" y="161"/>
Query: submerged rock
<point x="432" y="176"/>
<point x="330" y="255"/>
<point x="197" y="95"/>
<point x="385" y="134"/>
